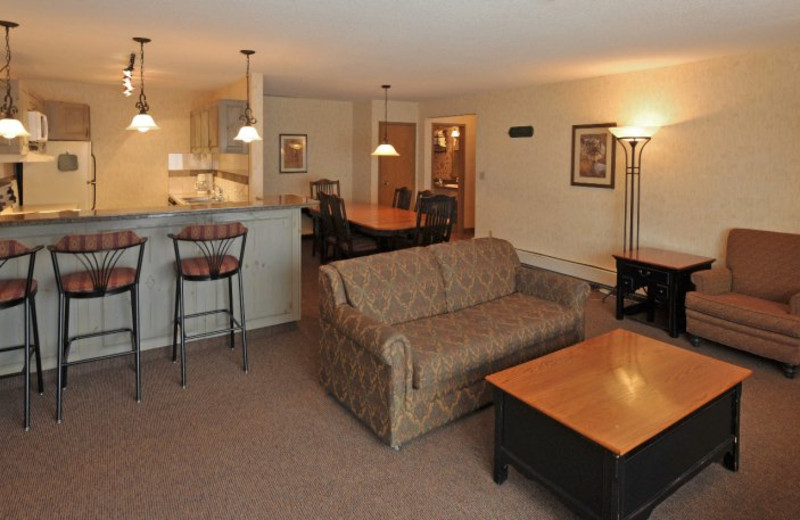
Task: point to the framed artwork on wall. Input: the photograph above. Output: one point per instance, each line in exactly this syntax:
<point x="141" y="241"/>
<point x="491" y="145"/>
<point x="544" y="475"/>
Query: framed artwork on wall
<point x="593" y="154"/>
<point x="293" y="153"/>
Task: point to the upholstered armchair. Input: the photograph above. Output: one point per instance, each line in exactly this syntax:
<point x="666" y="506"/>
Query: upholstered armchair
<point x="753" y="303"/>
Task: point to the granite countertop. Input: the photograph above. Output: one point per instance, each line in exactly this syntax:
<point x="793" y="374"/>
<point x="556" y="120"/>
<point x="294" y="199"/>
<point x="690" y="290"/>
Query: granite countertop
<point x="28" y="216"/>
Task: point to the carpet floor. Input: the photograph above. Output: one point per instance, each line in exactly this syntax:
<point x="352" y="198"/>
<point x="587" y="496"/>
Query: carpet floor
<point x="272" y="444"/>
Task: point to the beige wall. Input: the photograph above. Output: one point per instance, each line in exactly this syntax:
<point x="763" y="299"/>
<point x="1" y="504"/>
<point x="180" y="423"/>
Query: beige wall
<point x="131" y="166"/>
<point x="726" y="156"/>
<point x="329" y="127"/>
<point x="362" y="148"/>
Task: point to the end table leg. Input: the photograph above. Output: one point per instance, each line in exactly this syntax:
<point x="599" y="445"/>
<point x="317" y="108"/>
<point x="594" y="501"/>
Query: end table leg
<point x="731" y="458"/>
<point x="500" y="465"/>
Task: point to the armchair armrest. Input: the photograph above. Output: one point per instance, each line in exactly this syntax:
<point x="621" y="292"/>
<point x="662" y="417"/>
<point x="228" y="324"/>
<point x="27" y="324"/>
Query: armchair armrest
<point x="562" y="289"/>
<point x="794" y="304"/>
<point x="713" y="281"/>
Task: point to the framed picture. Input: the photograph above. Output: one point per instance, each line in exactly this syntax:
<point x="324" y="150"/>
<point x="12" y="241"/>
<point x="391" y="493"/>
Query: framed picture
<point x="294" y="153"/>
<point x="593" y="153"/>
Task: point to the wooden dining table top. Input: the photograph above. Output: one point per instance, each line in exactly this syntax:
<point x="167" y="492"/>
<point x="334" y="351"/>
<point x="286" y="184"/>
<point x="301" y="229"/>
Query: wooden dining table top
<point x="376" y="218"/>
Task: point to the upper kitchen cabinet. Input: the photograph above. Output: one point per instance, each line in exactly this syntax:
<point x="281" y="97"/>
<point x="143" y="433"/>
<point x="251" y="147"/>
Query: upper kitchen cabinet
<point x="213" y="128"/>
<point x="68" y="121"/>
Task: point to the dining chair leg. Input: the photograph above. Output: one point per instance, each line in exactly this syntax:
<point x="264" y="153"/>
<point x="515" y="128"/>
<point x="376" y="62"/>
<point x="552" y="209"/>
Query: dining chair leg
<point x="135" y="326"/>
<point x="38" y="351"/>
<point x="60" y="373"/>
<point x="183" y="331"/>
<point x="27" y="364"/>
<point x="175" y="320"/>
<point x="230" y="312"/>
<point x="241" y="323"/>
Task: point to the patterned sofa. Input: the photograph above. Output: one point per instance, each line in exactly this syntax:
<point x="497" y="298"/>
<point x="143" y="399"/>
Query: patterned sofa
<point x="408" y="336"/>
<point x="753" y="303"/>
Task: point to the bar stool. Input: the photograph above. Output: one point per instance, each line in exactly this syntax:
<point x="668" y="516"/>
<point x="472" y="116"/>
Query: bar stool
<point x="214" y="241"/>
<point x="22" y="291"/>
<point x="99" y="254"/>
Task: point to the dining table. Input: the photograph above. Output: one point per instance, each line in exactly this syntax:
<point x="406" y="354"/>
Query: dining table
<point x="376" y="220"/>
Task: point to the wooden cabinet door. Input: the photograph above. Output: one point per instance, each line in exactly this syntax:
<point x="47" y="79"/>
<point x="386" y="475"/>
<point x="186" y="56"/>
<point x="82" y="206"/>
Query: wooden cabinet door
<point x="68" y="121"/>
<point x="230" y="110"/>
<point x="213" y="127"/>
<point x="395" y="172"/>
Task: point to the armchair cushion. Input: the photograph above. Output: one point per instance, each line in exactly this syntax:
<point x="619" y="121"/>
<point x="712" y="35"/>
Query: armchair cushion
<point x="765" y="264"/>
<point x="794" y="304"/>
<point x="748" y="311"/>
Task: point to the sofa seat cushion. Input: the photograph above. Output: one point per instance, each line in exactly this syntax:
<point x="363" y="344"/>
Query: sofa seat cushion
<point x="448" y="345"/>
<point x="746" y="310"/>
<point x="476" y="271"/>
<point x="394" y="287"/>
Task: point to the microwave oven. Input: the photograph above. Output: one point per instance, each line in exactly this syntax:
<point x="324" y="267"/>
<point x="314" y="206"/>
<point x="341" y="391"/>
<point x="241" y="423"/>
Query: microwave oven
<point x="37" y="126"/>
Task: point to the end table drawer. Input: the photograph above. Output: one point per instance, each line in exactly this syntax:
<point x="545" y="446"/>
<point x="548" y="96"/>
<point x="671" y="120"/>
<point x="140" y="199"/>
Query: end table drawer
<point x="641" y="275"/>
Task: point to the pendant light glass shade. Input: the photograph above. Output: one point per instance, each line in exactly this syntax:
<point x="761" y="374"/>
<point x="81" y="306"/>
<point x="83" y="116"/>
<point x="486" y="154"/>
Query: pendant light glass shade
<point x="143" y="122"/>
<point x="10" y="127"/>
<point x="248" y="132"/>
<point x="385" y="149"/>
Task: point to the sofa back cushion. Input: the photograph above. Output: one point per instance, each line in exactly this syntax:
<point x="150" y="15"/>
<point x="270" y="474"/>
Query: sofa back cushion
<point x="476" y="271"/>
<point x="765" y="264"/>
<point x="394" y="287"/>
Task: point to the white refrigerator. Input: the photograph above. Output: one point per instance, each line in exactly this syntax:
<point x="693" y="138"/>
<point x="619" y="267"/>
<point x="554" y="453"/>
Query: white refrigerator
<point x="69" y="179"/>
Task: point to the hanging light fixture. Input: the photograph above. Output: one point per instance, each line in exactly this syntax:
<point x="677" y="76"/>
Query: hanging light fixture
<point x="248" y="132"/>
<point x="385" y="149"/>
<point x="142" y="121"/>
<point x="10" y="127"/>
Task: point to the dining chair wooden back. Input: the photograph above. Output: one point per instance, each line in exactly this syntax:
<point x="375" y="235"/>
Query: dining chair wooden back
<point x="402" y="198"/>
<point x="327" y="232"/>
<point x="434" y="220"/>
<point x="420" y="195"/>
<point x="22" y="291"/>
<point x="324" y="186"/>
<point x="348" y="243"/>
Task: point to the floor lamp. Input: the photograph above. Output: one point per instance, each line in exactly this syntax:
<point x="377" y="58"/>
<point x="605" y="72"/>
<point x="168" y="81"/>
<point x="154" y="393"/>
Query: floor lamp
<point x="635" y="138"/>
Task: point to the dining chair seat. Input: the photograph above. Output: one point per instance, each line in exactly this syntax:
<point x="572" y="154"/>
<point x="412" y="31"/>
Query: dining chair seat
<point x="119" y="278"/>
<point x="12" y="291"/>
<point x="204" y="268"/>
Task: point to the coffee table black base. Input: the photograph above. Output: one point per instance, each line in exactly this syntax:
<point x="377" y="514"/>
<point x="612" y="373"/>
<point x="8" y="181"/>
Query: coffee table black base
<point x="595" y="482"/>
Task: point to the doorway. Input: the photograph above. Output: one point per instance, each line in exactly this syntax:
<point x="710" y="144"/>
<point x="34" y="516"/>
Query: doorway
<point x="448" y="166"/>
<point x="396" y="172"/>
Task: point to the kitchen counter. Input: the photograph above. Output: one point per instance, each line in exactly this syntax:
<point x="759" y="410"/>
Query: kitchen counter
<point x="34" y="215"/>
<point x="271" y="271"/>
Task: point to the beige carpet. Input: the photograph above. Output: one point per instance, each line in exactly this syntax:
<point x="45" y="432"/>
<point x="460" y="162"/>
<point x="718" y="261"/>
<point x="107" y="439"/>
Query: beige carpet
<point x="271" y="444"/>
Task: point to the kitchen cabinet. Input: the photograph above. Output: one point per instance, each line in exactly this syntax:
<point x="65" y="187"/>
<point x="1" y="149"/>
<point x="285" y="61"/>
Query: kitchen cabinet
<point x="213" y="128"/>
<point x="68" y="121"/>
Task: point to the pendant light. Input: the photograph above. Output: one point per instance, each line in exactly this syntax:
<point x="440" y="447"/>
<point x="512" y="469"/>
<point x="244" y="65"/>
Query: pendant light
<point x="385" y="149"/>
<point x="10" y="127"/>
<point x="142" y="121"/>
<point x="248" y="132"/>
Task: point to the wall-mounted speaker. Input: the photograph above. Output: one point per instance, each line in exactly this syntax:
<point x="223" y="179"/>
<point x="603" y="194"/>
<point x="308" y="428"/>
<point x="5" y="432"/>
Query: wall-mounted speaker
<point x="520" y="131"/>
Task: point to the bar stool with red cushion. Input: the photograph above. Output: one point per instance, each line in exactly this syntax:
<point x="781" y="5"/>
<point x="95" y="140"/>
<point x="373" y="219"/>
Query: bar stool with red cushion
<point x="99" y="254"/>
<point x="22" y="291"/>
<point x="215" y="242"/>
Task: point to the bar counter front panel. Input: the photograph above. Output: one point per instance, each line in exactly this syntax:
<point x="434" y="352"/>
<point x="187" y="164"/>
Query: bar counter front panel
<point x="271" y="276"/>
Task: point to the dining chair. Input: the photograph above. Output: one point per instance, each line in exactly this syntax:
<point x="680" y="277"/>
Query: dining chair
<point x="329" y="187"/>
<point x="402" y="198"/>
<point x="326" y="229"/>
<point x="22" y="291"/>
<point x="215" y="242"/>
<point x="420" y="195"/>
<point x="434" y="220"/>
<point x="349" y="244"/>
<point x="99" y="254"/>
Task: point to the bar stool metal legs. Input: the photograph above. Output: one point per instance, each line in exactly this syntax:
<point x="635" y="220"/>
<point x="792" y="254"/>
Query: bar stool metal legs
<point x="214" y="242"/>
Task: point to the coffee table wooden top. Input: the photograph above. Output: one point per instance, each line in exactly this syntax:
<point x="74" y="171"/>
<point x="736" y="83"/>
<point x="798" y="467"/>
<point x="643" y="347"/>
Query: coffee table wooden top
<point x="619" y="389"/>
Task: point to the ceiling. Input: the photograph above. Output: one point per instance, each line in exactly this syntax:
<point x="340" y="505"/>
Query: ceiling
<point x="346" y="49"/>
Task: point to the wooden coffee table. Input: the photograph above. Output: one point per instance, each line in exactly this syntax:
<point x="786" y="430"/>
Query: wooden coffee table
<point x="615" y="424"/>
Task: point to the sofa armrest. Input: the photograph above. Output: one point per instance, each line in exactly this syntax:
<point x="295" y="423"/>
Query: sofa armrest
<point x="713" y="281"/>
<point x="794" y="304"/>
<point x="567" y="291"/>
<point x="381" y="340"/>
